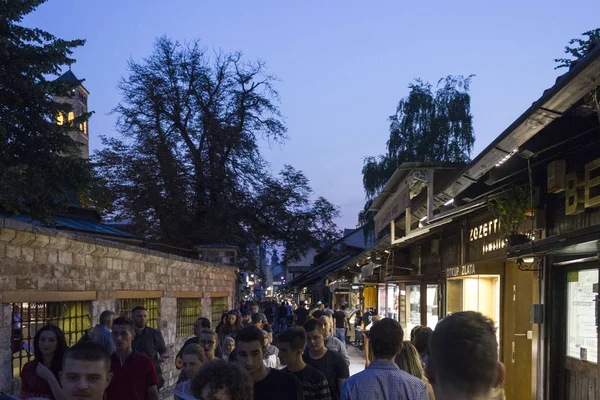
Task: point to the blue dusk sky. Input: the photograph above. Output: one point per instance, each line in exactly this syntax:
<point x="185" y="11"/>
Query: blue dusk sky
<point x="342" y="65"/>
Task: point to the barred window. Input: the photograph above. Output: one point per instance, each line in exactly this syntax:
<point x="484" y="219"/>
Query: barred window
<point x="72" y="317"/>
<point x="188" y="311"/>
<point x="218" y="305"/>
<point x="124" y="307"/>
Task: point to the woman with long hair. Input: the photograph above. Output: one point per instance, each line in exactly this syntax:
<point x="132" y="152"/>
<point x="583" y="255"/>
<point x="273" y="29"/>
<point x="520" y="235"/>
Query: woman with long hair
<point x="231" y="326"/>
<point x="39" y="377"/>
<point x="409" y="360"/>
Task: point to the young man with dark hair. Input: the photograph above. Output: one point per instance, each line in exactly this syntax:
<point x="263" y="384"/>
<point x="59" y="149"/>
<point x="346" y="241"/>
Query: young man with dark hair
<point x="330" y="363"/>
<point x="456" y="371"/>
<point x="383" y="379"/>
<point x="149" y="341"/>
<point x="134" y="375"/>
<point x="255" y="310"/>
<point x="300" y="314"/>
<point x="291" y="345"/>
<point x="257" y="321"/>
<point x="208" y="340"/>
<point x="222" y="381"/>
<point x="341" y="323"/>
<point x="269" y="383"/>
<point x="85" y="372"/>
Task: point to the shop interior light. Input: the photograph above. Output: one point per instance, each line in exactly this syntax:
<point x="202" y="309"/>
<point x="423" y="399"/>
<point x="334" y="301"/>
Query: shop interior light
<point x="423" y="219"/>
<point x="386" y="251"/>
<point x="528" y="260"/>
<point x="449" y="202"/>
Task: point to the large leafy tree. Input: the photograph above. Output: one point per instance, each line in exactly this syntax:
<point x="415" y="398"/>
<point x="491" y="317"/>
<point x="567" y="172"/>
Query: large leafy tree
<point x="41" y="171"/>
<point x="430" y="124"/>
<point x="579" y="47"/>
<point x="187" y="169"/>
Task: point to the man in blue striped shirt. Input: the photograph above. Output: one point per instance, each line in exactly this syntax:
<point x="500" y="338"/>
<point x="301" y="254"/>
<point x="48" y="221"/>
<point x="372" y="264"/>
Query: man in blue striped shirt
<point x="383" y="380"/>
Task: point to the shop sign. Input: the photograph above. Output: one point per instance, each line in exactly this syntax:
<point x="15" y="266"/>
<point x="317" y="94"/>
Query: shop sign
<point x="468" y="269"/>
<point x="488" y="234"/>
<point x="583" y="191"/>
<point x="395" y="208"/>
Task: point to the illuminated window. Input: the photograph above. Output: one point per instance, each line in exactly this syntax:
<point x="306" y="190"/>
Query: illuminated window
<point x="124" y="307"/>
<point x="188" y="311"/>
<point x="85" y="127"/>
<point x="218" y="305"/>
<point x="71" y="116"/>
<point x="72" y="317"/>
<point x="60" y="118"/>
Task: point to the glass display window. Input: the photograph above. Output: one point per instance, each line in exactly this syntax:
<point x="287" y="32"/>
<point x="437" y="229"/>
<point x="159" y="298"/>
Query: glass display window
<point x="582" y="333"/>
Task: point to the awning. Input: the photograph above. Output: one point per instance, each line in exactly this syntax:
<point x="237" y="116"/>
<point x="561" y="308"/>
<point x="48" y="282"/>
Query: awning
<point x="320" y="271"/>
<point x="585" y="241"/>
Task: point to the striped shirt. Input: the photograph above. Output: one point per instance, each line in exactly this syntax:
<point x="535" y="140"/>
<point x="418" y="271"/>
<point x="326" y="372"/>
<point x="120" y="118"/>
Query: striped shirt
<point x="383" y="380"/>
<point x="314" y="383"/>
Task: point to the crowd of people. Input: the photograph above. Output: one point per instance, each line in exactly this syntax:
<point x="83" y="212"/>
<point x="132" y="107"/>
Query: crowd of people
<point x="242" y="359"/>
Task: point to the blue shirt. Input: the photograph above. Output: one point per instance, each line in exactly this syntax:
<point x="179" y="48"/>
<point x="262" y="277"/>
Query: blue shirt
<point x="102" y="335"/>
<point x="383" y="380"/>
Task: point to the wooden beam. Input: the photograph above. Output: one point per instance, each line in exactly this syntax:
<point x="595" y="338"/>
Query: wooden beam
<point x="187" y="295"/>
<point x="138" y="294"/>
<point x="219" y="294"/>
<point x="46" y="297"/>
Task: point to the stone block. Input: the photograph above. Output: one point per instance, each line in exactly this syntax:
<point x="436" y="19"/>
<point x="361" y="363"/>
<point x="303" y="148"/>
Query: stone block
<point x="27" y="284"/>
<point x="59" y="242"/>
<point x="100" y="251"/>
<point x="40" y="255"/>
<point x="7" y="235"/>
<point x="75" y="246"/>
<point x="40" y="241"/>
<point x="79" y="259"/>
<point x="89" y="261"/>
<point x="8" y="283"/>
<point x="88" y="248"/>
<point x="113" y="252"/>
<point x="47" y="284"/>
<point x="117" y="264"/>
<point x="79" y="285"/>
<point x="65" y="284"/>
<point x="53" y="256"/>
<point x="13" y="251"/>
<point x="65" y="257"/>
<point x="27" y="254"/>
<point x="2" y="250"/>
<point x="23" y="238"/>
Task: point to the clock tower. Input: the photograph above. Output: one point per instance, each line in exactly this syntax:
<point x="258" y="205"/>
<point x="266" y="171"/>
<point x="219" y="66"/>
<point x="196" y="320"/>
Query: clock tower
<point x="78" y="102"/>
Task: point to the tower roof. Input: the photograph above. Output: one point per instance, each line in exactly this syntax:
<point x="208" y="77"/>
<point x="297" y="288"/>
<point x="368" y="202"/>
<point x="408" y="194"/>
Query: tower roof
<point x="69" y="76"/>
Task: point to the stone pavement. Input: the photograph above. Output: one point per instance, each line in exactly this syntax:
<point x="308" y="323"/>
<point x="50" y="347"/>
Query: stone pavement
<point x="357" y="360"/>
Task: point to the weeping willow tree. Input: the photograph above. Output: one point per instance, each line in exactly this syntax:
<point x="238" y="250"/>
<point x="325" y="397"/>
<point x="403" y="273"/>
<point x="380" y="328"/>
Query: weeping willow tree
<point x="430" y="124"/>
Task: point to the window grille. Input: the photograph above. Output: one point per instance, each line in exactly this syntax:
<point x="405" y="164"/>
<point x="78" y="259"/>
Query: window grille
<point x="188" y="311"/>
<point x="124" y="307"/>
<point x="218" y="305"/>
<point x="72" y="317"/>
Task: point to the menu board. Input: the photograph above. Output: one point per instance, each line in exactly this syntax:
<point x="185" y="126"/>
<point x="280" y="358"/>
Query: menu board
<point x="582" y="334"/>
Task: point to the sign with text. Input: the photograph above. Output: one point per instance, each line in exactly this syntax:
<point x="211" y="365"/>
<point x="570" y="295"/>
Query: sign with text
<point x="485" y="238"/>
<point x="465" y="270"/>
<point x="393" y="208"/>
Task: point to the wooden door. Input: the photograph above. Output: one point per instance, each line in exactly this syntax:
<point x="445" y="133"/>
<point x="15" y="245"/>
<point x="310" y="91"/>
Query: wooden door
<point x="581" y="372"/>
<point x="518" y="332"/>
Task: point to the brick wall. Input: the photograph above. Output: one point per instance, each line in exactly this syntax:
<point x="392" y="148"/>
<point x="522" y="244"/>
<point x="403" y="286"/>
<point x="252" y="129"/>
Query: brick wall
<point x="41" y="261"/>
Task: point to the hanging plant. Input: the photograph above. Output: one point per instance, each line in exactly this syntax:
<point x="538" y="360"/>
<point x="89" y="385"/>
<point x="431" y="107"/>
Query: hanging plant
<point x="511" y="209"/>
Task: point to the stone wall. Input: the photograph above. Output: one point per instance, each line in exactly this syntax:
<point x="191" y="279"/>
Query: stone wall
<point x="45" y="265"/>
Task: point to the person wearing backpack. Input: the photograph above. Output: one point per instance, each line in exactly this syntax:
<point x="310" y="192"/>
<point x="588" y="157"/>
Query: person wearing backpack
<point x="101" y="333"/>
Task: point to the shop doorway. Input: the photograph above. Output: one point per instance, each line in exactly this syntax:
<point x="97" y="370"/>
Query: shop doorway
<point x="520" y="292"/>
